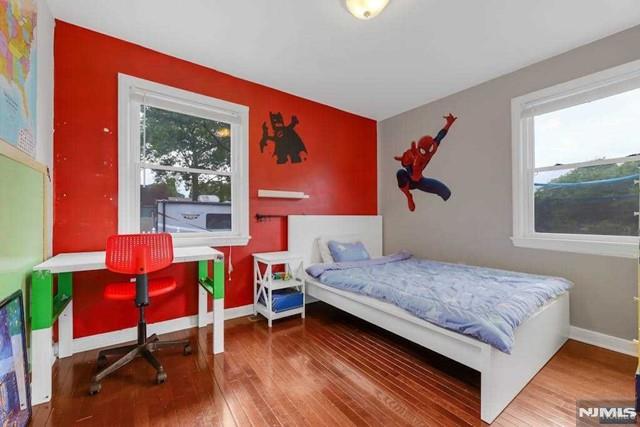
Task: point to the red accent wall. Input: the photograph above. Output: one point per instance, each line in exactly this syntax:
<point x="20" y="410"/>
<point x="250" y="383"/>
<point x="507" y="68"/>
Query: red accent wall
<point x="340" y="173"/>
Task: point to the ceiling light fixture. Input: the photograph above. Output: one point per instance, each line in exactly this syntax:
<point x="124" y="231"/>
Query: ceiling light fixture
<point x="366" y="9"/>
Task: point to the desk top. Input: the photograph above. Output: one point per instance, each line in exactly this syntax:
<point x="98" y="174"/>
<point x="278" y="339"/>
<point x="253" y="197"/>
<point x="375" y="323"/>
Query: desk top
<point x="87" y="261"/>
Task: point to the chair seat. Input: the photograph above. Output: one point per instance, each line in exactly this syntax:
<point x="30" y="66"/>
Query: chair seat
<point x="127" y="290"/>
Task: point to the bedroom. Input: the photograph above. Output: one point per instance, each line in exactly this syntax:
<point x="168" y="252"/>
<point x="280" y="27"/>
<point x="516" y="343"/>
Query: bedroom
<point x="353" y="212"/>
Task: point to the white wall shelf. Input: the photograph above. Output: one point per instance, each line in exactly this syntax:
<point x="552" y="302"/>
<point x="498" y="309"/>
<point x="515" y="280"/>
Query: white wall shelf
<point x="281" y="194"/>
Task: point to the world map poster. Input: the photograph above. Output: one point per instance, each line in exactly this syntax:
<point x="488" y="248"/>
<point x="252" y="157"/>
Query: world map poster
<point x="18" y="74"/>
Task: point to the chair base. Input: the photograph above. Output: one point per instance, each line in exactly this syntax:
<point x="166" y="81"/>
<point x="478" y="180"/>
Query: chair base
<point x="131" y="352"/>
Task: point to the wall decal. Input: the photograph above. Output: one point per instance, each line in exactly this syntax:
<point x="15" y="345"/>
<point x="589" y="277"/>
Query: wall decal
<point x="415" y="159"/>
<point x="288" y="144"/>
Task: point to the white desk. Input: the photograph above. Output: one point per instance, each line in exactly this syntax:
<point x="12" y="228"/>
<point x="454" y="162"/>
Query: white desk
<point x="46" y="307"/>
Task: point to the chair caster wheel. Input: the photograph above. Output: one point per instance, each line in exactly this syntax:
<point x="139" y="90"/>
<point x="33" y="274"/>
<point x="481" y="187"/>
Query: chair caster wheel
<point x="95" y="388"/>
<point x="102" y="361"/>
<point x="161" y="377"/>
<point x="187" y="350"/>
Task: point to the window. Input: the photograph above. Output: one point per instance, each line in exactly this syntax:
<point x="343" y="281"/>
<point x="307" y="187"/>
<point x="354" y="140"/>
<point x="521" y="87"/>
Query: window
<point x="183" y="166"/>
<point x="576" y="158"/>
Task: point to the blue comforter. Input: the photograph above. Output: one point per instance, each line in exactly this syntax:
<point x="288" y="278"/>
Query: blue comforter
<point x="484" y="303"/>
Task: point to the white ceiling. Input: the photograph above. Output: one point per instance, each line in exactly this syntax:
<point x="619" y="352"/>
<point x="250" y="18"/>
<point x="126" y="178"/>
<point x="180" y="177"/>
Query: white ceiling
<point x="416" y="51"/>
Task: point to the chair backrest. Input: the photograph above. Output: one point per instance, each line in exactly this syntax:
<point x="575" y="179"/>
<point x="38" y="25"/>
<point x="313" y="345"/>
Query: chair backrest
<point x="139" y="253"/>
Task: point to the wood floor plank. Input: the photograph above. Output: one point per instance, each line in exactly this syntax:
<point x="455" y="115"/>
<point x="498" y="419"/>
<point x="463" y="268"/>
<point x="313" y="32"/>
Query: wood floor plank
<point x="329" y="369"/>
<point x="427" y="408"/>
<point x="342" y="375"/>
<point x="346" y="381"/>
<point x="401" y="355"/>
<point x="405" y="351"/>
<point x="284" y="373"/>
<point x="428" y="386"/>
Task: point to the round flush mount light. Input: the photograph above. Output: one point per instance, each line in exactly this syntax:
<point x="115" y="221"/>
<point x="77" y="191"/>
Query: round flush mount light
<point x="366" y="9"/>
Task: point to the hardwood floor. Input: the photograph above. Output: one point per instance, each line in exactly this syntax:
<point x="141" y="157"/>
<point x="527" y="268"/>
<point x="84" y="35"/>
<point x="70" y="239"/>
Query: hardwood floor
<point x="332" y="369"/>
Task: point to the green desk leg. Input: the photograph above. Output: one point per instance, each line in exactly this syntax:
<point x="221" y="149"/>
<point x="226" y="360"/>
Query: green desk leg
<point x="218" y="279"/>
<point x="218" y="306"/>
<point x="205" y="288"/>
<point x="45" y="306"/>
<point x="214" y="286"/>
<point x="42" y="313"/>
<point x="203" y="270"/>
<point x="65" y="292"/>
<point x="41" y="335"/>
<point x="63" y="311"/>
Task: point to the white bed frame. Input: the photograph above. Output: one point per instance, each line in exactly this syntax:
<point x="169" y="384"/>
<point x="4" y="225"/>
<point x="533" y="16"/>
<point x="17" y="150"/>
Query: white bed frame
<point x="502" y="375"/>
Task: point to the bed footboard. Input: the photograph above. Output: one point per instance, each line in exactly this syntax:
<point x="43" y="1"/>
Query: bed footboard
<point x="503" y="375"/>
<point x="536" y="341"/>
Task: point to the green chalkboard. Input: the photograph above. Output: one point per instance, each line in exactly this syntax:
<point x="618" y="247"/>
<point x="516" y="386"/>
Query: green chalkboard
<point x="22" y="221"/>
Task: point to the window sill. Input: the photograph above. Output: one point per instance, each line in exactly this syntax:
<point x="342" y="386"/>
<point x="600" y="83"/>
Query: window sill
<point x="215" y="241"/>
<point x="592" y="247"/>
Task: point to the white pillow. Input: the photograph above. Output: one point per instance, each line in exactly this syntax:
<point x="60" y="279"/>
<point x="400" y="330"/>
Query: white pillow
<point x="323" y="244"/>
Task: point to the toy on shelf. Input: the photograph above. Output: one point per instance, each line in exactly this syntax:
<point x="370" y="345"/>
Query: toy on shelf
<point x="281" y="275"/>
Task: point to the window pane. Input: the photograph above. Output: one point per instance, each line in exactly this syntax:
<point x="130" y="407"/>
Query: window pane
<point x="174" y="139"/>
<point x="178" y="202"/>
<point x="604" y="129"/>
<point x="588" y="200"/>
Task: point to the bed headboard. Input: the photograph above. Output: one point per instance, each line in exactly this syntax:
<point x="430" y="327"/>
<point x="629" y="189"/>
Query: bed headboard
<point x="305" y="229"/>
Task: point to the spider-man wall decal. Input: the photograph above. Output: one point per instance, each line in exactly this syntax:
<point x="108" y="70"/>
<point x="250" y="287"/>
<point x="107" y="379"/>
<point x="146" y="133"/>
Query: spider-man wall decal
<point x="288" y="144"/>
<point x="415" y="159"/>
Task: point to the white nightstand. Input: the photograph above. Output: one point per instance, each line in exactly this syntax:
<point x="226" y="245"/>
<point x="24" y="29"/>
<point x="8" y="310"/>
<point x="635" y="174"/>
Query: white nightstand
<point x="264" y="284"/>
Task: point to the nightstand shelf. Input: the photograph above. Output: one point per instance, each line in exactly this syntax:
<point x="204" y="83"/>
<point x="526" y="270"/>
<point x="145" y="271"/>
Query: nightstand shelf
<point x="262" y="309"/>
<point x="268" y="289"/>
<point x="282" y="284"/>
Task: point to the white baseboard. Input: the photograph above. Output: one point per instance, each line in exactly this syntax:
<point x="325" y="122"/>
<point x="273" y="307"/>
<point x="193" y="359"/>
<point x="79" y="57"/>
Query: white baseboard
<point x="605" y="341"/>
<point x="235" y="312"/>
<point x="108" y="339"/>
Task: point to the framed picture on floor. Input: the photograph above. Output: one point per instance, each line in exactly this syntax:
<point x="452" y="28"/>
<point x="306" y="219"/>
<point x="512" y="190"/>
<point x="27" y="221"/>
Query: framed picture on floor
<point x="15" y="398"/>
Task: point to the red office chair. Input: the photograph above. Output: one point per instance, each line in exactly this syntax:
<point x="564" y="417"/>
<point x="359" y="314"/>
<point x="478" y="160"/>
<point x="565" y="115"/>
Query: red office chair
<point x="138" y="254"/>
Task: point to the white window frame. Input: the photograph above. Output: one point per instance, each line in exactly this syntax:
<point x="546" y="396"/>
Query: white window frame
<point x="130" y="162"/>
<point x="523" y="152"/>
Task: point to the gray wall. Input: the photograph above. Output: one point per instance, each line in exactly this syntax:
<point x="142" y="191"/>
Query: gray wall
<point x="475" y="225"/>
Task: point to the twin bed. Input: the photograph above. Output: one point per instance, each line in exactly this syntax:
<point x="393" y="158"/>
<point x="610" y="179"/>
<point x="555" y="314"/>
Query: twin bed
<point x="507" y="328"/>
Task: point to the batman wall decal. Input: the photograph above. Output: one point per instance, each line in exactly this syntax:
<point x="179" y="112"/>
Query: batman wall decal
<point x="288" y="144"/>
